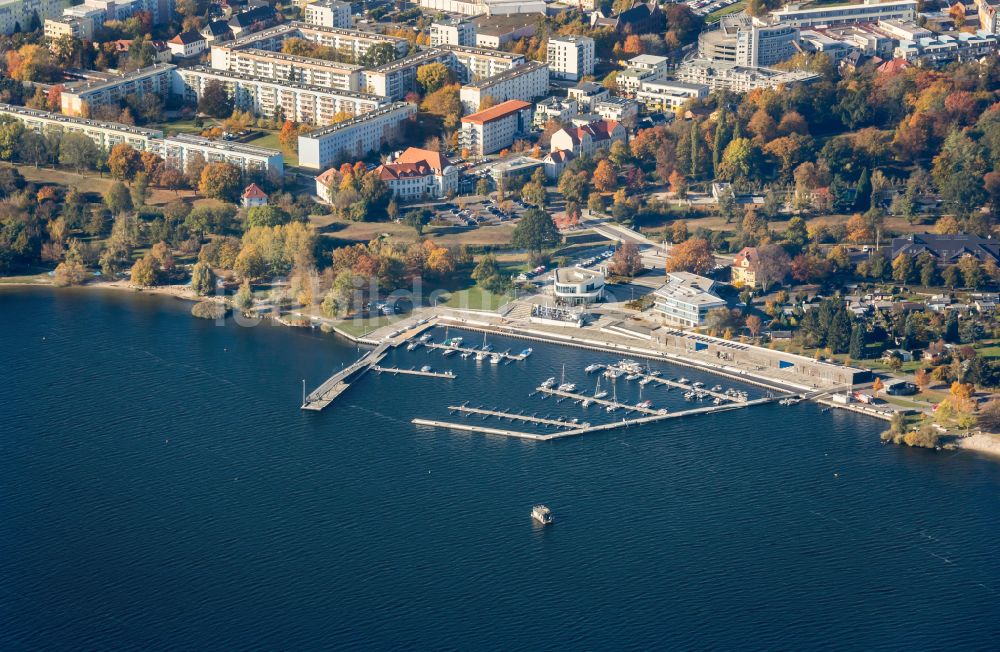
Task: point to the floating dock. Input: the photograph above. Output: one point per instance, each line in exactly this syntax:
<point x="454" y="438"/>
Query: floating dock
<point x="518" y="417"/>
<point x="415" y="372"/>
<point x="599" y="401"/>
<point x="584" y="429"/>
<point x="462" y="349"/>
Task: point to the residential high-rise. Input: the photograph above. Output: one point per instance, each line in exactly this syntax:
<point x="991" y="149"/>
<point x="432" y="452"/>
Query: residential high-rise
<point x="571" y="57"/>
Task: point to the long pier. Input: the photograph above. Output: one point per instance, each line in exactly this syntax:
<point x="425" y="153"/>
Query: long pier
<point x="673" y="383"/>
<point x="587" y="429"/>
<point x="415" y="372"/>
<point x="462" y="349"/>
<point x="599" y="401"/>
<point x="336" y="384"/>
<point x="468" y="427"/>
<point x="519" y="417"/>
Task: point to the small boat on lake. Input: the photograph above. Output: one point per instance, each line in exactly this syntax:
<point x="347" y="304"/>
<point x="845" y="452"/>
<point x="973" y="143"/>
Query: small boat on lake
<point x="591" y="368"/>
<point x="525" y="353"/>
<point x="542" y="514"/>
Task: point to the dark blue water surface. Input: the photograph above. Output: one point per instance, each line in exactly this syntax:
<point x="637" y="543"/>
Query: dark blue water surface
<point x="160" y="488"/>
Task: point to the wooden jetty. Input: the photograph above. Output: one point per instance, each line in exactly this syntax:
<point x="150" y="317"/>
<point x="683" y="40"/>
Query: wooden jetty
<point x="462" y="349"/>
<point x="414" y="372"/>
<point x="336" y="384"/>
<point x="599" y="401"/>
<point x="518" y="417"/>
<point x="584" y="429"/>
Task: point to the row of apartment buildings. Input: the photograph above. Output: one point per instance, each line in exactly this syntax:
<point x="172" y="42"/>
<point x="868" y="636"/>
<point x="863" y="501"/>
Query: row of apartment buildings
<point x="177" y="151"/>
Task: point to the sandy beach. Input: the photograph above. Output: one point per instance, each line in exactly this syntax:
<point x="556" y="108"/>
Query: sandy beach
<point x="981" y="443"/>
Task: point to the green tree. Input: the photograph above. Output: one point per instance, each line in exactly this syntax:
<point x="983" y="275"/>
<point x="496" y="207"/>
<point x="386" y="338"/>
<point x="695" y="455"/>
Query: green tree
<point x="951" y="276"/>
<point x="378" y="55"/>
<point x="118" y="199"/>
<point x="857" y="347"/>
<point x="329" y="307"/>
<point x="863" y="192"/>
<point x="267" y="216"/>
<point x="78" y="151"/>
<point x="202" y="278"/>
<point x="958" y="172"/>
<point x="11" y="131"/>
<point x="243" y="299"/>
<point x="535" y="231"/>
<point x="738" y="160"/>
<point x="928" y="270"/>
<point x="33" y="149"/>
<point x="902" y="268"/>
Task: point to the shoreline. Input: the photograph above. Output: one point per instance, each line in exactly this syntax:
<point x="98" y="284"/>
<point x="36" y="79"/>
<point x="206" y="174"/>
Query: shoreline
<point x="982" y="443"/>
<point x="985" y="443"/>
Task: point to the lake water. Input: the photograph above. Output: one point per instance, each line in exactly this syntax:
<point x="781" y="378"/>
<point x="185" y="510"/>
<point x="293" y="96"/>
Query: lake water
<point x="160" y="488"/>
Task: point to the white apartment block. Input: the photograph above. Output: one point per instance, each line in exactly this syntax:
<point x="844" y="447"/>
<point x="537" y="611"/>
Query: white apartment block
<point x="277" y="66"/>
<point x="16" y="15"/>
<point x="156" y="79"/>
<point x="320" y="149"/>
<point x="733" y="77"/>
<point x="328" y="13"/>
<point x="453" y="32"/>
<point x="104" y="134"/>
<point x="348" y="41"/>
<point x="748" y="41"/>
<point x="571" y="57"/>
<point x="493" y="129"/>
<point x="464" y="7"/>
<point x="471" y="64"/>
<point x="617" y="109"/>
<point x="394" y="80"/>
<point x="81" y="28"/>
<point x="649" y="62"/>
<point x="555" y="108"/>
<point x="686" y="299"/>
<point x="525" y="82"/>
<point x="177" y="151"/>
<point x="869" y="11"/>
<point x="315" y="105"/>
<point x="669" y="94"/>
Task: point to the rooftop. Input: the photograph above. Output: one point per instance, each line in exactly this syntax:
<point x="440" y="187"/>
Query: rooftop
<point x="690" y="288"/>
<point x="508" y="74"/>
<point x="497" y="112"/>
<point x="576" y="275"/>
<point x="356" y="120"/>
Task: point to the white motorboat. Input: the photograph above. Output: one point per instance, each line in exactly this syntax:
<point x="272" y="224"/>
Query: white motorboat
<point x="591" y="368"/>
<point x="495" y="358"/>
<point x="426" y="368"/>
<point x="412" y="345"/>
<point x="542" y="514"/>
<point x="549" y="383"/>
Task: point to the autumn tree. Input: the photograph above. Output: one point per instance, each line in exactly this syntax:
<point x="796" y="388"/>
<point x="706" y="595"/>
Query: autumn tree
<point x="604" y="177"/>
<point x="694" y="255"/>
<point x="434" y="76"/>
<point x="124" y="161"/>
<point x="626" y="261"/>
<point x="220" y="180"/>
<point x="214" y="100"/>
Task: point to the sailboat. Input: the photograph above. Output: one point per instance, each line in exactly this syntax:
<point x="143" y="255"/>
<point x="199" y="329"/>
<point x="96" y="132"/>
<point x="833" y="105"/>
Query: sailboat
<point x="598" y="393"/>
<point x="481" y="354"/>
<point x="614" y="401"/>
<point x="563" y="385"/>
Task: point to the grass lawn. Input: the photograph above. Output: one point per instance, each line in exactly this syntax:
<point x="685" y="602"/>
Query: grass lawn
<point x="717" y="15"/>
<point x="348" y="231"/>
<point x="269" y="139"/>
<point x="476" y="298"/>
<point x="41" y="276"/>
<point x="989" y="349"/>
<point x="180" y="126"/>
<point x="358" y="327"/>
